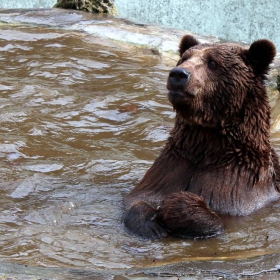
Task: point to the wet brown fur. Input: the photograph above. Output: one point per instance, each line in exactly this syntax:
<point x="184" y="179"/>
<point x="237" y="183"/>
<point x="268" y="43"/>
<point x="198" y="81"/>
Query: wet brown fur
<point x="218" y="159"/>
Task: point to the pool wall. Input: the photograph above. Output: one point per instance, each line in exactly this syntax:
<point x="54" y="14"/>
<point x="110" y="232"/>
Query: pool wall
<point x="233" y="20"/>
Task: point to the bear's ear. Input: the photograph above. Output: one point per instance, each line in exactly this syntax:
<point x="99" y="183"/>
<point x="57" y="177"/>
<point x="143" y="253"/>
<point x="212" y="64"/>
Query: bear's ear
<point x="260" y="54"/>
<point x="187" y="42"/>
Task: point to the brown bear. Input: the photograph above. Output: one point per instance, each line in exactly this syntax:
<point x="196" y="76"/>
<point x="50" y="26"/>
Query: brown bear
<point x="218" y="160"/>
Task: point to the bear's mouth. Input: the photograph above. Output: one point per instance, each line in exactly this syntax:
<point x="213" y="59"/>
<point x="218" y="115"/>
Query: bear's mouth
<point x="180" y="94"/>
<point x="178" y="98"/>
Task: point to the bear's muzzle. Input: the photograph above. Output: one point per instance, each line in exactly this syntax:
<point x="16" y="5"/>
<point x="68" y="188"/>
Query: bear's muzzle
<point x="177" y="79"/>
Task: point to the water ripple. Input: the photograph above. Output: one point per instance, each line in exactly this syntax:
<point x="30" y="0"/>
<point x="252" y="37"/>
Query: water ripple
<point x="80" y="125"/>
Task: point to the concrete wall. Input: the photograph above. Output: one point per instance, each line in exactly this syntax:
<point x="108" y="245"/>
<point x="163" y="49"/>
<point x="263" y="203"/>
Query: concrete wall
<point x="236" y="20"/>
<point x="26" y="4"/>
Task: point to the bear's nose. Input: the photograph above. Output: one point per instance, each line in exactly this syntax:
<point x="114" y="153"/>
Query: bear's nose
<point x="178" y="77"/>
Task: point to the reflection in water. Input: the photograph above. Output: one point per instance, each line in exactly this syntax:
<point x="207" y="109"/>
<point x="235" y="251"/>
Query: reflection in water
<point x="80" y="124"/>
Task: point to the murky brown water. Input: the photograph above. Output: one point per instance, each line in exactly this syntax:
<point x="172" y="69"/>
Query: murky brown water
<point x="80" y="123"/>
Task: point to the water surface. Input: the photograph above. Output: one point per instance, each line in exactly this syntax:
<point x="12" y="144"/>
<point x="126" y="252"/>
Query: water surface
<point x="80" y="123"/>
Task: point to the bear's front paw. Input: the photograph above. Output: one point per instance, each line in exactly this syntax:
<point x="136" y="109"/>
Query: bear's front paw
<point x="186" y="215"/>
<point x="140" y="219"/>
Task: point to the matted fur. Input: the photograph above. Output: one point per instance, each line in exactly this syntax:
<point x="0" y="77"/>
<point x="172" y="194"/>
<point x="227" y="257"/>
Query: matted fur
<point x="218" y="159"/>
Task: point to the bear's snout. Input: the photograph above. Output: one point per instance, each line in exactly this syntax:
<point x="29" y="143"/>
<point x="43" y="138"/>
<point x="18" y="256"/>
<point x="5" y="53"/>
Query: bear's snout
<point x="178" y="77"/>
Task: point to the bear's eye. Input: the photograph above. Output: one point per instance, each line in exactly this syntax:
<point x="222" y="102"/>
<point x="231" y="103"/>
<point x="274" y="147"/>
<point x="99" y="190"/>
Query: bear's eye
<point x="212" y="64"/>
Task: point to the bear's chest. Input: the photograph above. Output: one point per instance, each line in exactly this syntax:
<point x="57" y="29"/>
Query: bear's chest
<point x="232" y="191"/>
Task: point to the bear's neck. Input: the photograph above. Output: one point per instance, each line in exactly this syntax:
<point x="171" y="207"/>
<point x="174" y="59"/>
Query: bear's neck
<point x="244" y="137"/>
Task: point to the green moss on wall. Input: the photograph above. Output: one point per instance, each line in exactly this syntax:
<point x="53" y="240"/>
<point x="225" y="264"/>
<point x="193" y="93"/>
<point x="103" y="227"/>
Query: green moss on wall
<point x="92" y="6"/>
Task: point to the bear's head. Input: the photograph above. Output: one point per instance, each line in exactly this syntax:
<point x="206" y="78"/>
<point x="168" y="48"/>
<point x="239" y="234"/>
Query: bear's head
<point x="212" y="83"/>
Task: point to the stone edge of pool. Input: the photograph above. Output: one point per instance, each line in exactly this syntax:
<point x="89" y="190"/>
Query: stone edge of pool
<point x="234" y="269"/>
<point x="125" y="34"/>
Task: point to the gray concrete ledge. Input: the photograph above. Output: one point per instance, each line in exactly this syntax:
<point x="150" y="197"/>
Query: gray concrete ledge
<point x="262" y="267"/>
